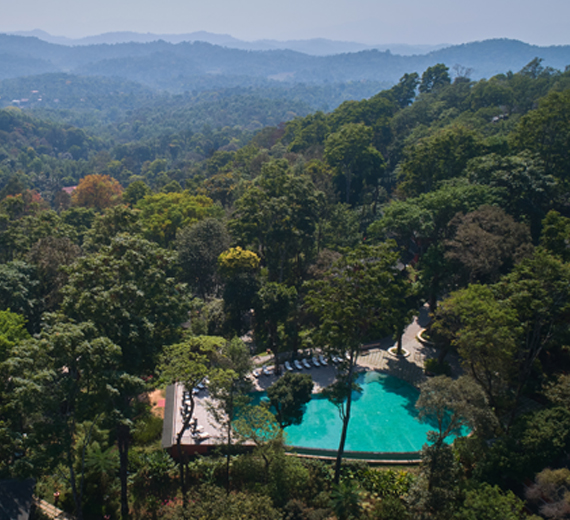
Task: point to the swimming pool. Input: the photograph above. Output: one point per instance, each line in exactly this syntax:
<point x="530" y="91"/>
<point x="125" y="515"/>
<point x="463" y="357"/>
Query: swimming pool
<point x="383" y="419"/>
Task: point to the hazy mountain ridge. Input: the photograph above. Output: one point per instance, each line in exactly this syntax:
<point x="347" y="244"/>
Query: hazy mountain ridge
<point x="313" y="46"/>
<point x="184" y="66"/>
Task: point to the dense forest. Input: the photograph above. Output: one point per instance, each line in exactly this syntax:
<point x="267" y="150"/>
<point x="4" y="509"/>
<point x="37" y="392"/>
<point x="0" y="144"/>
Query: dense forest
<point x="139" y="243"/>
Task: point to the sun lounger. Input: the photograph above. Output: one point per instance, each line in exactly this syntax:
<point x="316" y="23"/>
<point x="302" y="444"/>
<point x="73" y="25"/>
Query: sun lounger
<point x="323" y="360"/>
<point x="298" y="365"/>
<point x="306" y="363"/>
<point x="201" y="437"/>
<point x="316" y="362"/>
<point x="288" y="366"/>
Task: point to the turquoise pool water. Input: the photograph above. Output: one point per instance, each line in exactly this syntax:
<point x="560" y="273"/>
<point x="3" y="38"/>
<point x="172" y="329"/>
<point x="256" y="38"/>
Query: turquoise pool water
<point x="383" y="419"/>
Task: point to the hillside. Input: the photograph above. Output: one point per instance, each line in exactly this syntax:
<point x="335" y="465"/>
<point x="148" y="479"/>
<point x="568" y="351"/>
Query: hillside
<point x="177" y="67"/>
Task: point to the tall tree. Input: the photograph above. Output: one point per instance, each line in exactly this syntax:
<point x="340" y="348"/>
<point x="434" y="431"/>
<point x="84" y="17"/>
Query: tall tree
<point x="356" y="162"/>
<point x="258" y="425"/>
<point x="278" y="215"/>
<point x="67" y="376"/>
<point x="229" y="387"/>
<point x="199" y="247"/>
<point x="420" y="225"/>
<point x="538" y="289"/>
<point x="129" y="292"/>
<point x="188" y="363"/>
<point x="484" y="330"/>
<point x="353" y="303"/>
<point x="434" y="78"/>
<point x="274" y="304"/>
<point x="239" y="269"/>
<point x="440" y="156"/>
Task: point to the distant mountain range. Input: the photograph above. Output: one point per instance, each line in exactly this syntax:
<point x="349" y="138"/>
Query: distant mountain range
<point x="313" y="47"/>
<point x="197" y="65"/>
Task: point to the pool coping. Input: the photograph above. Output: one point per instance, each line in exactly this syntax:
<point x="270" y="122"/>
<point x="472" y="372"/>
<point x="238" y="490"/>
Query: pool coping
<point x="370" y="457"/>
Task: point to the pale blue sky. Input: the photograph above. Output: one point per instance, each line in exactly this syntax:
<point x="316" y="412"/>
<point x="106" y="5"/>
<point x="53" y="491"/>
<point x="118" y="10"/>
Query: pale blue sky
<point x="542" y="22"/>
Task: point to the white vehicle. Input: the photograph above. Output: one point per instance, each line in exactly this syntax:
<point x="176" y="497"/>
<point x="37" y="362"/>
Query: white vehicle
<point x="298" y="365"/>
<point x="306" y="363"/>
<point x="322" y="360"/>
<point x="256" y="373"/>
<point x="267" y="370"/>
<point x="316" y="362"/>
<point x="288" y="366"/>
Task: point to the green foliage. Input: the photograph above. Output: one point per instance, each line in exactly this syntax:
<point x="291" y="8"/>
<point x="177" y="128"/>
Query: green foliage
<point x="21" y="234"/>
<point x="535" y="441"/>
<point x="434" y="367"/>
<point x="274" y="305"/>
<point x="434" y="78"/>
<point x="50" y="256"/>
<point x="525" y="190"/>
<point x="136" y="191"/>
<point x="147" y="430"/>
<point x="491" y="503"/>
<point x="438" y="157"/>
<point x="485" y="331"/>
<point x="164" y="213"/>
<point x="278" y="215"/>
<point x="236" y="260"/>
<point x="199" y="247"/>
<point x="153" y="481"/>
<point x="288" y="395"/>
<point x="346" y="500"/>
<point x="556" y="234"/>
<point x="106" y="226"/>
<point x="452" y="406"/>
<point x="436" y="493"/>
<point x="19" y="291"/>
<point x="357" y="164"/>
<point x="546" y="131"/>
<point x="128" y="291"/>
<point x="211" y="503"/>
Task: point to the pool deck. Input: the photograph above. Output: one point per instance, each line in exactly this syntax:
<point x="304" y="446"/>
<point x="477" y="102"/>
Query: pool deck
<point x="409" y="368"/>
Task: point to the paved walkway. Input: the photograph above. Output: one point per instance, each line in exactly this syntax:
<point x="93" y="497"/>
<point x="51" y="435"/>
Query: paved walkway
<point x="409" y="368"/>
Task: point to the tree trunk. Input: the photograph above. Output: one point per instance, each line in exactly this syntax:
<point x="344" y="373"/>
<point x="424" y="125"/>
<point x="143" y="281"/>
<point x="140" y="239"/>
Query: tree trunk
<point x="228" y="455"/>
<point x="399" y="349"/>
<point x="123" y="442"/>
<point x="230" y="413"/>
<point x="345" y="421"/>
<point x="348" y="180"/>
<point x="181" y="456"/>
<point x="73" y="482"/>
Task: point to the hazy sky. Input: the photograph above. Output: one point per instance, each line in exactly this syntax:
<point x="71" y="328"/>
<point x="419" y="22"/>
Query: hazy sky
<point x="542" y="22"/>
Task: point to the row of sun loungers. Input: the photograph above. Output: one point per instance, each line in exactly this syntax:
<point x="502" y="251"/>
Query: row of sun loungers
<point x="315" y="361"/>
